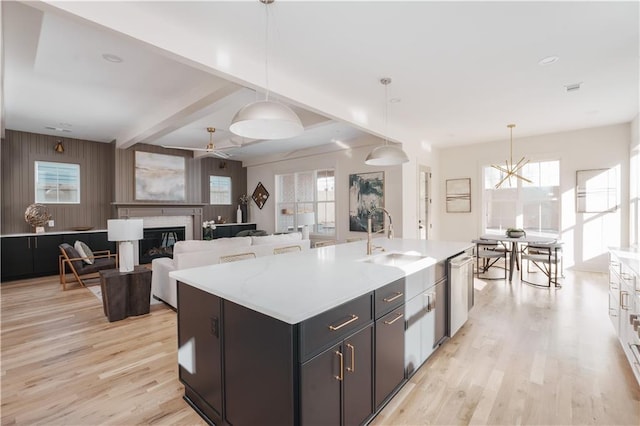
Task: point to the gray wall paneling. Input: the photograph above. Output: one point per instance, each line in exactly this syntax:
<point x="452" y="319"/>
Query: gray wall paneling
<point x="107" y="176"/>
<point x="19" y="152"/>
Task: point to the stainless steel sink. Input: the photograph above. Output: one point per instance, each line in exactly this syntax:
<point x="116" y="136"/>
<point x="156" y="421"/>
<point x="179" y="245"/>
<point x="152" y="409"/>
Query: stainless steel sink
<point x="395" y="259"/>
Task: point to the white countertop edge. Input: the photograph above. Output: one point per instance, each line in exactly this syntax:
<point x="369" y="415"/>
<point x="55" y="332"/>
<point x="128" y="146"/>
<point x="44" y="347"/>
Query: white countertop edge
<point x="282" y="288"/>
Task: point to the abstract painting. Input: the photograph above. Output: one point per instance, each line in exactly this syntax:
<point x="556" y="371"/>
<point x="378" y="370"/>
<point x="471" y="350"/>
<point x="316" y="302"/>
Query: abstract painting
<point x="596" y="190"/>
<point x="159" y="177"/>
<point x="366" y="192"/>
<point x="459" y="195"/>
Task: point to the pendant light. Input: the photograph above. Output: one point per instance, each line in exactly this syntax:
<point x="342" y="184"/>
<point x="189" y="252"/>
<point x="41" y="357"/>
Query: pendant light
<point x="511" y="170"/>
<point x="386" y="155"/>
<point x="266" y="119"/>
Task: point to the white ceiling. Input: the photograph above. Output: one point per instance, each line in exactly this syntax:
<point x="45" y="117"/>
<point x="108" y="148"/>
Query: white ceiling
<point x="461" y="70"/>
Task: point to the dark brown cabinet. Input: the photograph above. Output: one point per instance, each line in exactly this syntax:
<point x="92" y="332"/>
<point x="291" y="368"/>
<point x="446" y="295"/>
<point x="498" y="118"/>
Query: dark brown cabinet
<point x="37" y="255"/>
<point x="389" y="354"/>
<point x="336" y="386"/>
<point x="30" y="256"/>
<point x="230" y="230"/>
<point x="199" y="337"/>
<point x="251" y="368"/>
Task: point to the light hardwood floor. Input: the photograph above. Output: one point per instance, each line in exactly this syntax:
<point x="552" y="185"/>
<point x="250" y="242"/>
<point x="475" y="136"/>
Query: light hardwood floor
<point x="526" y="356"/>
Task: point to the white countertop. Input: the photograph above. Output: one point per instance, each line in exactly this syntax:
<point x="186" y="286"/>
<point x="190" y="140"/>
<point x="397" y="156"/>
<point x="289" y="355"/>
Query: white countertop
<point x="51" y="232"/>
<point x="630" y="256"/>
<point x="293" y="287"/>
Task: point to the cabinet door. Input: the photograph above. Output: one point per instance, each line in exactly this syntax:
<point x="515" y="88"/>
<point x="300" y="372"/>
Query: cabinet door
<point x="415" y="311"/>
<point x="321" y="380"/>
<point x="17" y="257"/>
<point x="199" y="325"/>
<point x="389" y="354"/>
<point x="614" y="309"/>
<point x="441" y="311"/>
<point x="358" y="375"/>
<point x="45" y="254"/>
<point x="98" y="241"/>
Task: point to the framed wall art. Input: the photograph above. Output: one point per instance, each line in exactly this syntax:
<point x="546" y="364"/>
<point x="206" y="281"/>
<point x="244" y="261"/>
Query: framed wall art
<point x="260" y="195"/>
<point x="458" y="193"/>
<point x="159" y="177"/>
<point x="366" y="192"/>
<point x="596" y="190"/>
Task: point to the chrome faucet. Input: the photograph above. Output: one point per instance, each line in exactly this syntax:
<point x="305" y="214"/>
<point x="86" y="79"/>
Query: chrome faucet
<point x="370" y="246"/>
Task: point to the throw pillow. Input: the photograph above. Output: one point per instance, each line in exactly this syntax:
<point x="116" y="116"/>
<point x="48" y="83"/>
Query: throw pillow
<point x="85" y="252"/>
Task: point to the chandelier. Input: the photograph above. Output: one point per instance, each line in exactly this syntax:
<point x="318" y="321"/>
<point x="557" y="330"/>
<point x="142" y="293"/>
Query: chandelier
<point x="511" y="170"/>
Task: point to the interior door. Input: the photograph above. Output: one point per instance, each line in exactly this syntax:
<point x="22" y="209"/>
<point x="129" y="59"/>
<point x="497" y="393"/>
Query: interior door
<point x="424" y="203"/>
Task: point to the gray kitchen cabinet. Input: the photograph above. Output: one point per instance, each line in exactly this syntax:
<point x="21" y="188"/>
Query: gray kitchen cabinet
<point x="425" y="315"/>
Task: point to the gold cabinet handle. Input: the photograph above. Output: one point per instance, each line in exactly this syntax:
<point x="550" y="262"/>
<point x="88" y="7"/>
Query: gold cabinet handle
<point x="398" y="316"/>
<point x="622" y="305"/>
<point x="340" y="377"/>
<point x="349" y="321"/>
<point x="353" y="358"/>
<point x="391" y="299"/>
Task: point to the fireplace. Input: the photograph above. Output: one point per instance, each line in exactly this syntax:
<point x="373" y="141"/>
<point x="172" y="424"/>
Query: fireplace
<point x="158" y="242"/>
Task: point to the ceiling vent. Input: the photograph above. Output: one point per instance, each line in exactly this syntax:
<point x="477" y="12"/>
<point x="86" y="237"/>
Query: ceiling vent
<point x="57" y="129"/>
<point x="572" y="87"/>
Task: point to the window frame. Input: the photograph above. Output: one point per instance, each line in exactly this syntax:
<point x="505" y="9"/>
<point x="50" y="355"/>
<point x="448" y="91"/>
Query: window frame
<point x="520" y="200"/>
<point x="36" y="185"/>
<point x="297" y="206"/>
<point x="229" y="193"/>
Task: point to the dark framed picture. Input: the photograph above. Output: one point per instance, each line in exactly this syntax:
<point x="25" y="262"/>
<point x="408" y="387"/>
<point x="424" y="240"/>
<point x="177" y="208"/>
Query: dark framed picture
<point x="458" y="195"/>
<point x="366" y="192"/>
<point x="260" y="195"/>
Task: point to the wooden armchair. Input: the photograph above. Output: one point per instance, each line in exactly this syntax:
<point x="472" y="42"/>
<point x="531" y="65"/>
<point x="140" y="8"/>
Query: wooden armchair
<point x="71" y="261"/>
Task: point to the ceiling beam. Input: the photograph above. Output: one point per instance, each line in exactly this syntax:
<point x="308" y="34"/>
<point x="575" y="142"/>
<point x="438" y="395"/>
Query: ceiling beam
<point x="190" y="111"/>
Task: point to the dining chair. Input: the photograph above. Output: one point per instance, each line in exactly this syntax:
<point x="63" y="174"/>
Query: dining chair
<point x="287" y="249"/>
<point x="546" y="258"/>
<point x="488" y="254"/>
<point x="237" y="257"/>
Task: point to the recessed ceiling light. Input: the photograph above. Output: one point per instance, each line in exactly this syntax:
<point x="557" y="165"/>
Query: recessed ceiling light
<point x="548" y="60"/>
<point x="112" y="58"/>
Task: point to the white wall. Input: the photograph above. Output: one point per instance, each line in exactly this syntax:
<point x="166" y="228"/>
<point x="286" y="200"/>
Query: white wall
<point x="586" y="235"/>
<point x="345" y="162"/>
<point x="634" y="184"/>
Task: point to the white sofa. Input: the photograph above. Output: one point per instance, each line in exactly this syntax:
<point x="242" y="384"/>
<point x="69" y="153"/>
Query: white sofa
<point x="195" y="253"/>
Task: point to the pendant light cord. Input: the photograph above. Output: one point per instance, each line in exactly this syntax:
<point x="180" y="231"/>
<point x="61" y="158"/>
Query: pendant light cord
<point x="266" y="49"/>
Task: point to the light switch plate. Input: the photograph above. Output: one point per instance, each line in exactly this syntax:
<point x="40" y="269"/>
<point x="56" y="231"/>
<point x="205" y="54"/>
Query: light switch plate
<point x="51" y="223"/>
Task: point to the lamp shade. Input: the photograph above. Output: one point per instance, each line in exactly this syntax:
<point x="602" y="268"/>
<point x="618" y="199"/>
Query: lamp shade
<point x="306" y="219"/>
<point x="386" y="155"/>
<point x="124" y="229"/>
<point x="266" y="120"/>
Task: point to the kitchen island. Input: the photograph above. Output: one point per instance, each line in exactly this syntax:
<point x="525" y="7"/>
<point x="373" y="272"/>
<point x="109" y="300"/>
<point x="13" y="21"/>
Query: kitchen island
<point x="316" y="337"/>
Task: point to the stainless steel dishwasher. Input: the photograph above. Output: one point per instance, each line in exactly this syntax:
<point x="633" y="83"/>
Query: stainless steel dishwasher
<point x="460" y="291"/>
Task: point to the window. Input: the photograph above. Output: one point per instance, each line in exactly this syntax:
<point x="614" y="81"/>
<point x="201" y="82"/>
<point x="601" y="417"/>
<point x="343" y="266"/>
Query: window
<point x="57" y="183"/>
<point x="220" y="190"/>
<point x="306" y="198"/>
<point x="534" y="207"/>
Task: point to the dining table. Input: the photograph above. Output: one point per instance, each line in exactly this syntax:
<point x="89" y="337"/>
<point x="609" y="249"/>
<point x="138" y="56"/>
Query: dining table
<point x="514" y="243"/>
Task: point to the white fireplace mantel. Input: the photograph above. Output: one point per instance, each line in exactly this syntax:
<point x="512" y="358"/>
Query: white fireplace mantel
<point x="127" y="210"/>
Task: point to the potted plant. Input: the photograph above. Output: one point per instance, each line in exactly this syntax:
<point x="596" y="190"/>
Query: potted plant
<point x="515" y="232"/>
